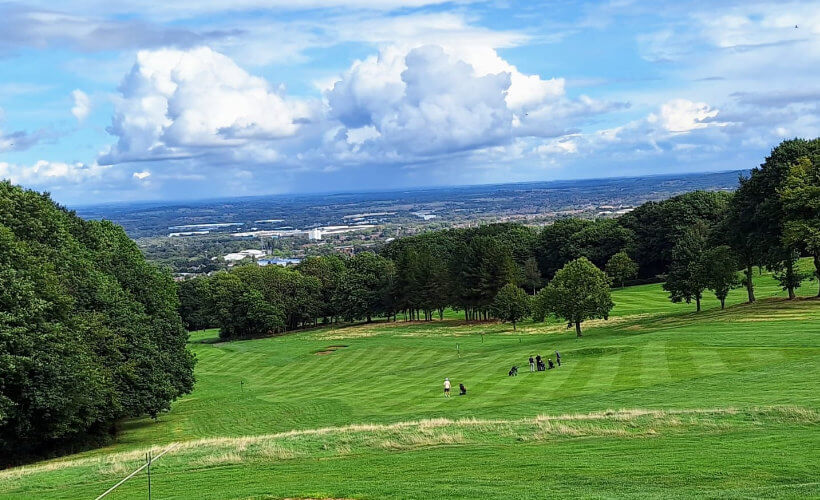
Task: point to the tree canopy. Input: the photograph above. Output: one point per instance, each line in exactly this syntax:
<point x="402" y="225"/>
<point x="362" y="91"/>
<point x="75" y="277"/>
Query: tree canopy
<point x="511" y="304"/>
<point x="578" y="292"/>
<point x="620" y="268"/>
<point x="89" y="331"/>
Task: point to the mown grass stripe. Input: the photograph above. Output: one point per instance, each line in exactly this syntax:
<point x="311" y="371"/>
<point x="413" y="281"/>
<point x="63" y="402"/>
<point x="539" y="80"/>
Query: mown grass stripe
<point x="630" y="367"/>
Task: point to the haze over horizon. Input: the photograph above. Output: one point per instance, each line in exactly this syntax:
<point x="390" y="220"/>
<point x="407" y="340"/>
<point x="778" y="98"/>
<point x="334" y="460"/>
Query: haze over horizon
<point x="145" y="100"/>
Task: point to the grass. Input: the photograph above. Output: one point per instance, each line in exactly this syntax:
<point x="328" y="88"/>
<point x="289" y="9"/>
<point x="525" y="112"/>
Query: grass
<point x="659" y="401"/>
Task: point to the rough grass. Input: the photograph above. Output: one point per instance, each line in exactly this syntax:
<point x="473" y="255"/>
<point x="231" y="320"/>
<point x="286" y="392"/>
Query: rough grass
<point x="659" y="401"/>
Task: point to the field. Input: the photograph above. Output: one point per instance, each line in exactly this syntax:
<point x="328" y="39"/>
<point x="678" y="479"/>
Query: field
<point x="658" y="401"/>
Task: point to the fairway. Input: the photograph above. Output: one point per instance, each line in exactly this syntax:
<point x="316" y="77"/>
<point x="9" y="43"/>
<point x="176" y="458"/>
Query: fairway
<point x="656" y="401"/>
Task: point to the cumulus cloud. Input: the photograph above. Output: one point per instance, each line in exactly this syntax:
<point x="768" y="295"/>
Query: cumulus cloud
<point x="682" y="115"/>
<point x="403" y="105"/>
<point x="176" y="104"/>
<point x="47" y="173"/>
<point x="425" y="102"/>
<point x="434" y="100"/>
<point x="82" y="105"/>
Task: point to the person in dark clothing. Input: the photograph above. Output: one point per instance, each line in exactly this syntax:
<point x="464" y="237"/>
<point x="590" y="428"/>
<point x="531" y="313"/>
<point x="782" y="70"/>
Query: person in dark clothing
<point x="532" y="365"/>
<point x="462" y="390"/>
<point x="551" y="364"/>
<point x="538" y="362"/>
<point x="558" y="358"/>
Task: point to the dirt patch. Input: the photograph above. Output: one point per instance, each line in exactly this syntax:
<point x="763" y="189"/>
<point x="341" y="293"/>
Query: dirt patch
<point x="329" y="350"/>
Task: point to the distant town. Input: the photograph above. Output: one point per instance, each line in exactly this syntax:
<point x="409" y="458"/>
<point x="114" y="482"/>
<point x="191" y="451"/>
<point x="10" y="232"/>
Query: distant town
<point x="203" y="237"/>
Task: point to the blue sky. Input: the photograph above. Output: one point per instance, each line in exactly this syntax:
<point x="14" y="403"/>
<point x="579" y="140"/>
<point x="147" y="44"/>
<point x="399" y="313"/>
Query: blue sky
<point x="147" y="100"/>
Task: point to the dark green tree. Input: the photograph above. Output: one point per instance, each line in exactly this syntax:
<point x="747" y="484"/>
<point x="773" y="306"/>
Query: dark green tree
<point x="578" y="292"/>
<point x="511" y="304"/>
<point x="761" y="215"/>
<point x="620" y="268"/>
<point x="688" y="277"/>
<point x="658" y="226"/>
<point x="365" y="288"/>
<point x="556" y="244"/>
<point x="328" y="269"/>
<point x="789" y="275"/>
<point x="800" y="195"/>
<point x="193" y="303"/>
<point x="531" y="275"/>
<point x="602" y="239"/>
<point x="721" y="272"/>
<point x="89" y="331"/>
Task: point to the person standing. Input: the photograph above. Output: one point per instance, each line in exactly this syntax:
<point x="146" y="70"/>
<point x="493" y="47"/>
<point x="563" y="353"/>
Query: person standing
<point x="532" y="365"/>
<point x="538" y="362"/>
<point x="558" y="358"/>
<point x="446" y="387"/>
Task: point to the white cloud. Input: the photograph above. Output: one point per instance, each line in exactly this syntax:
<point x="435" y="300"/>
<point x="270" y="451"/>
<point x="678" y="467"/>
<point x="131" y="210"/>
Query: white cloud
<point x="45" y="174"/>
<point x="82" y="105"/>
<point x="682" y="115"/>
<point x="433" y="100"/>
<point x="182" y="103"/>
<point x="141" y="175"/>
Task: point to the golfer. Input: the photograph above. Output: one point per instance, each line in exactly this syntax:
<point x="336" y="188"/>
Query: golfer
<point x="446" y="387"/>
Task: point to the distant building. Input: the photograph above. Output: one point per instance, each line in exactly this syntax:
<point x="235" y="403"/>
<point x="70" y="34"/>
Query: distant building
<point x="278" y="262"/>
<point x="315" y="234"/>
<point x="237" y="256"/>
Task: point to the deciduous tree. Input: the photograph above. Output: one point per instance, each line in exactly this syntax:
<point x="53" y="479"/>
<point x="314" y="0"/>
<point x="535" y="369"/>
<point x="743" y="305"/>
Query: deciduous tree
<point x="621" y="268"/>
<point x="511" y="304"/>
<point x="579" y="291"/>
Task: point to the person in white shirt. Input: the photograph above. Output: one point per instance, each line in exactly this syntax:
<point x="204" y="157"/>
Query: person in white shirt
<point x="446" y="387"/>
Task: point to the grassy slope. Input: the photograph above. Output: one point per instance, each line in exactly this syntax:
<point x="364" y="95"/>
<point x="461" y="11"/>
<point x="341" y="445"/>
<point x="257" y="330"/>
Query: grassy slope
<point x="652" y="355"/>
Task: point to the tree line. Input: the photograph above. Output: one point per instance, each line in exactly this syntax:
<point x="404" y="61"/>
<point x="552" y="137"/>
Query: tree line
<point x="89" y="331"/>
<point x="694" y="242"/>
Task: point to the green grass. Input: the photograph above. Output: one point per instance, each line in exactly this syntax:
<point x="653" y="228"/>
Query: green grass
<point x="716" y="404"/>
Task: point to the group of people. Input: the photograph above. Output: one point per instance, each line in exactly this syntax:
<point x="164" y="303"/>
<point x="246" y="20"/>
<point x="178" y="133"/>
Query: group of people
<point x="538" y="363"/>
<point x="461" y="388"/>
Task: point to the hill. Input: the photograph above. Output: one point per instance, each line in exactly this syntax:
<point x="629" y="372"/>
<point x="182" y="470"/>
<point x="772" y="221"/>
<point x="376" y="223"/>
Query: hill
<point x="656" y="401"/>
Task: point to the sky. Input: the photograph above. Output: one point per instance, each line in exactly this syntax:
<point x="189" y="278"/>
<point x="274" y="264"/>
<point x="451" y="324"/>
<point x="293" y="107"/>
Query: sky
<point x="125" y="100"/>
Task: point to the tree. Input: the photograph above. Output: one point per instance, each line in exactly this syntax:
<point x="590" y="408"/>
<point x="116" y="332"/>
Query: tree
<point x="329" y="270"/>
<point x="531" y="276"/>
<point x="800" y="195"/>
<point x="721" y="272"/>
<point x="657" y="226"/>
<point x="738" y="232"/>
<point x="241" y="310"/>
<point x="760" y="211"/>
<point x="511" y="304"/>
<point x="602" y="239"/>
<point x="579" y="291"/>
<point x="687" y="278"/>
<point x="620" y="268"/>
<point x="365" y="288"/>
<point x="556" y="245"/>
<point x="789" y="275"/>
<point x="89" y="331"/>
<point x="193" y="300"/>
